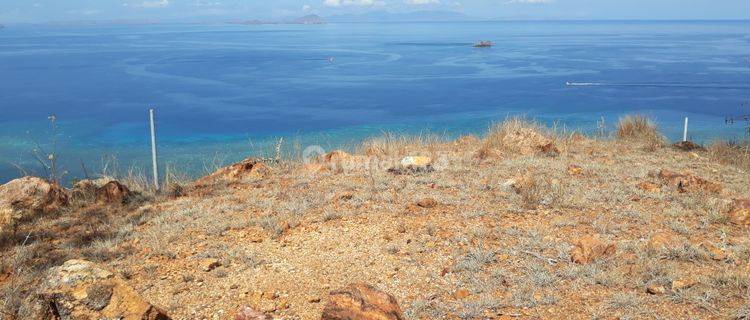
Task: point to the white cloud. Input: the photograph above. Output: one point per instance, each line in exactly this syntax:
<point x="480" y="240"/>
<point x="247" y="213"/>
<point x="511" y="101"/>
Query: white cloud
<point x="530" y="1"/>
<point x="154" y="4"/>
<point x="348" y="3"/>
<point x="421" y="2"/>
<point x="203" y="4"/>
<point x="306" y="8"/>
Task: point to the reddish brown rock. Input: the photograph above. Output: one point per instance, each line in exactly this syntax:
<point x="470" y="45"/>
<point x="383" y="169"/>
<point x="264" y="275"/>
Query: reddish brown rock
<point x="656" y="289"/>
<point x="649" y="187"/>
<point x="590" y="248"/>
<point x="84" y="290"/>
<point x="661" y="241"/>
<point x="25" y="197"/>
<point x="688" y="146"/>
<point x="427" y="203"/>
<point x="739" y="214"/>
<point x="248" y="169"/>
<point x="684" y="283"/>
<point x="461" y="294"/>
<point x="361" y="302"/>
<point x="113" y="192"/>
<point x="247" y="313"/>
<point x="686" y="182"/>
<point x="549" y="149"/>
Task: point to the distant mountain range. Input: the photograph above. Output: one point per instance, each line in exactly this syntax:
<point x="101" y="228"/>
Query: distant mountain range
<point x="416" y="16"/>
<point x="308" y="19"/>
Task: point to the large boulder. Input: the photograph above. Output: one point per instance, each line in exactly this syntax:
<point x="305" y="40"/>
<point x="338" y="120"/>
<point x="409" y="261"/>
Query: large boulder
<point x="740" y="212"/>
<point x="248" y="169"/>
<point x="85" y="190"/>
<point x="590" y="248"/>
<point x="361" y="302"/>
<point x="113" y="192"/>
<point x="25" y="197"/>
<point x="81" y="289"/>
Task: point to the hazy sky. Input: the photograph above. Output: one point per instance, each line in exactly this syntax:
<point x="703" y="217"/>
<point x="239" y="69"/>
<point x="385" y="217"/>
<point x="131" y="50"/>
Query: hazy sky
<point x="208" y="10"/>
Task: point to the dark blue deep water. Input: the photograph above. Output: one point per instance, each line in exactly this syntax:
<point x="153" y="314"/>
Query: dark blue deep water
<point x="227" y="90"/>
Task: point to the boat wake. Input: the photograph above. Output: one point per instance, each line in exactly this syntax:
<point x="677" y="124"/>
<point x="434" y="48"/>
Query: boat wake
<point x="659" y="85"/>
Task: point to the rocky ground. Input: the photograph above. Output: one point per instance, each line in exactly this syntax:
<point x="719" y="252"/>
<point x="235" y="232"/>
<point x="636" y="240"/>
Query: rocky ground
<point x="523" y="223"/>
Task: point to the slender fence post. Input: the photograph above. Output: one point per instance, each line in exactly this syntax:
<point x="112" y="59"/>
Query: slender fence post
<point x="153" y="149"/>
<point x="684" y="134"/>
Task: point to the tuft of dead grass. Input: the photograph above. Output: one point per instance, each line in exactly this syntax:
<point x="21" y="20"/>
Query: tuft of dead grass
<point x="517" y="135"/>
<point x="391" y="144"/>
<point x="639" y="128"/>
<point x="736" y="153"/>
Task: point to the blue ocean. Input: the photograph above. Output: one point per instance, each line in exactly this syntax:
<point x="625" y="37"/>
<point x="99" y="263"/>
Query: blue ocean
<point x="226" y="92"/>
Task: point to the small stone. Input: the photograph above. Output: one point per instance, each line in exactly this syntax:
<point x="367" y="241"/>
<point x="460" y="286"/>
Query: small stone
<point x="575" y="170"/>
<point x="247" y="313"/>
<point x="656" y="289"/>
<point x="550" y="150"/>
<point x="683" y="284"/>
<point x="461" y="294"/>
<point x="209" y="264"/>
<point x="401" y="229"/>
<point x="649" y="187"/>
<point x="427" y="203"/>
<point x="416" y="161"/>
<point x="590" y="248"/>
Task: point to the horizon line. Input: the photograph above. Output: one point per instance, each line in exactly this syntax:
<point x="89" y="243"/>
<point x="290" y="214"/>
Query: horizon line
<point x="228" y="21"/>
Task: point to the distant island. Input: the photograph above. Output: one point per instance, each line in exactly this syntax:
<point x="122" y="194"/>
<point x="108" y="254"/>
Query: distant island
<point x="374" y="16"/>
<point x="308" y="19"/>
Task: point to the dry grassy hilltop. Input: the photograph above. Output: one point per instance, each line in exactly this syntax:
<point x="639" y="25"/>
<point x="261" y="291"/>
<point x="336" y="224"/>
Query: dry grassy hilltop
<point x="522" y="223"/>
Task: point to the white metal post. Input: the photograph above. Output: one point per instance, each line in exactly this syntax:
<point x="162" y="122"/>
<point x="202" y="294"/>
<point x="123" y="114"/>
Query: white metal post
<point x="153" y="149"/>
<point x="684" y="134"/>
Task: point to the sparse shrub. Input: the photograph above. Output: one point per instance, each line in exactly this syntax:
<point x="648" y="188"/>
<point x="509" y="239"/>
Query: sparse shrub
<point x="392" y="248"/>
<point x="624" y="300"/>
<point x="537" y="190"/>
<point x="475" y="259"/>
<point x="329" y="215"/>
<point x="639" y="128"/>
<point x="687" y="252"/>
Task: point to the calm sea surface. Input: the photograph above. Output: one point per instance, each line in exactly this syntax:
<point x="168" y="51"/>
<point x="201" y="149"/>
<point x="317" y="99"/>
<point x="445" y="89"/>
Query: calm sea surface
<point x="224" y="91"/>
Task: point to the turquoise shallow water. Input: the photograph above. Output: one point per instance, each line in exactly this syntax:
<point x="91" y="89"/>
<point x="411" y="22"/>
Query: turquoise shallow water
<point x="227" y="91"/>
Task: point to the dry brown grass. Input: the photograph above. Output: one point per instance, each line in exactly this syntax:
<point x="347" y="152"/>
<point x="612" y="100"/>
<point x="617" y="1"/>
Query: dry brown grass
<point x="507" y="245"/>
<point x="736" y="153"/>
<point x="639" y="128"/>
<point x="517" y="135"/>
<point x="395" y="145"/>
